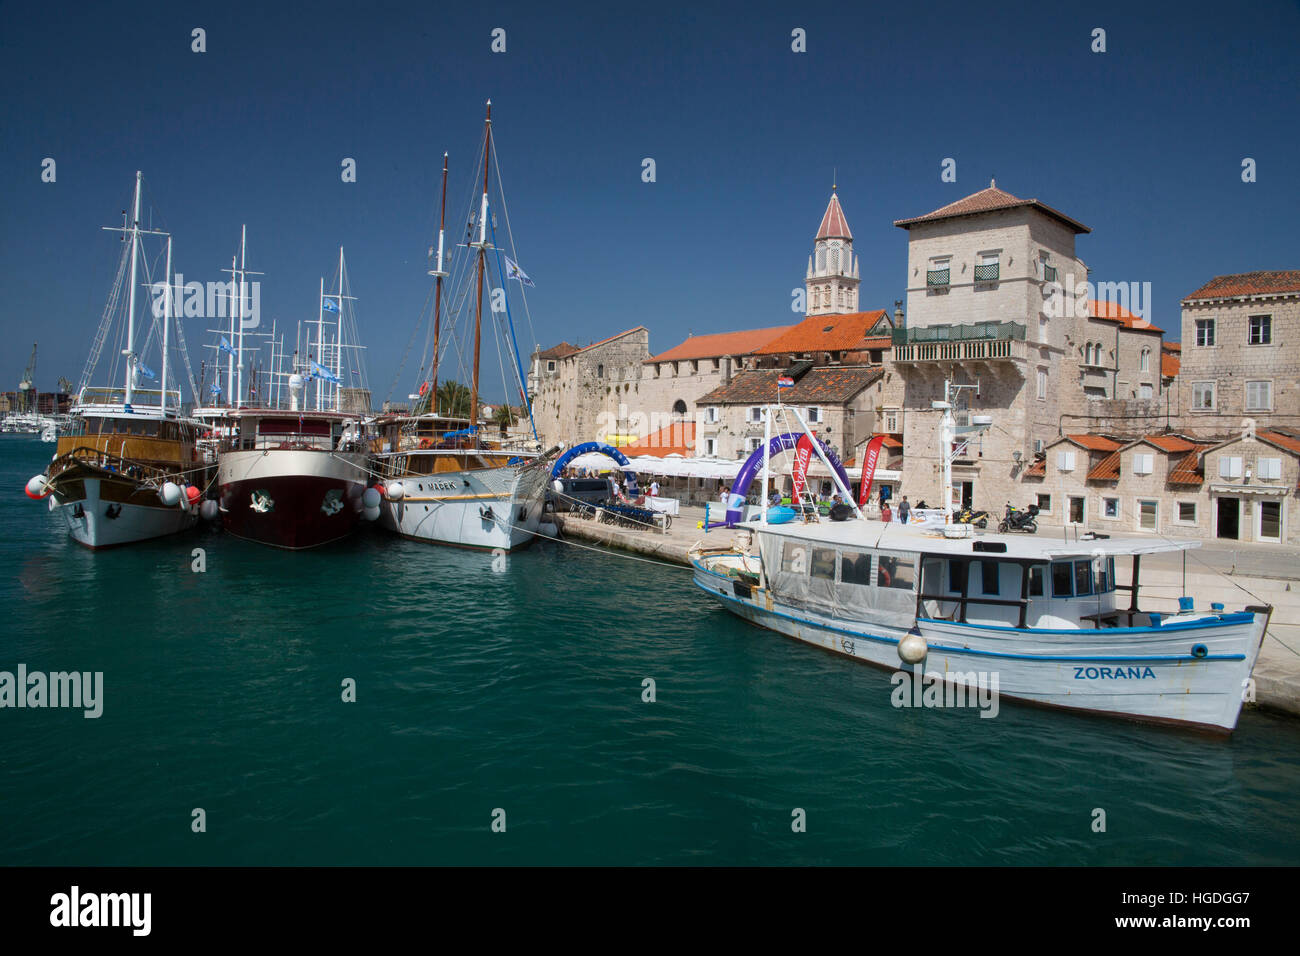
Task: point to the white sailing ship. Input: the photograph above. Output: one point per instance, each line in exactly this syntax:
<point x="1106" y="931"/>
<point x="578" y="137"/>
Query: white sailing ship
<point x="442" y="478"/>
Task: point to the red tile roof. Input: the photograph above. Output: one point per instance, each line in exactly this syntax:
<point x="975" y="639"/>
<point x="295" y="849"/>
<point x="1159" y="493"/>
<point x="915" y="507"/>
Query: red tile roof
<point x="1095" y="442"/>
<point x="675" y="439"/>
<point x="1038" y="469"/>
<point x="718" y="344"/>
<point x="1114" y="312"/>
<point x="1187" y="471"/>
<point x="819" y="385"/>
<point x="563" y="350"/>
<point x="1248" y="283"/>
<point x="826" y="333"/>
<point x="1105" y="470"/>
<point x="1170" y="363"/>
<point x="1172" y="347"/>
<point x="1172" y="444"/>
<point x="834" y="225"/>
<point x="1285" y="441"/>
<point x="878" y="342"/>
<point x="989" y="200"/>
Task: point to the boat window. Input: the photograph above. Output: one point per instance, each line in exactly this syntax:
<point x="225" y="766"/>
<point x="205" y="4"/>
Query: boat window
<point x="823" y="563"/>
<point x="956" y="574"/>
<point x="1101" y="578"/>
<point x="1036" y="577"/>
<point x="989" y="576"/>
<point x="896" y="572"/>
<point x="794" y="559"/>
<point x="855" y="568"/>
<point x="1083" y="577"/>
<point x="1062" y="580"/>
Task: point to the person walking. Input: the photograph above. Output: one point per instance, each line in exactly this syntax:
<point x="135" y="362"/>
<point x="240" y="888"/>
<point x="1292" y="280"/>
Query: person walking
<point x="904" y="509"/>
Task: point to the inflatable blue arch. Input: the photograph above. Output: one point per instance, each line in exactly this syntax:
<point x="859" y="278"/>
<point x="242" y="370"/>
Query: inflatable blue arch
<point x="745" y="477"/>
<point x="609" y="451"/>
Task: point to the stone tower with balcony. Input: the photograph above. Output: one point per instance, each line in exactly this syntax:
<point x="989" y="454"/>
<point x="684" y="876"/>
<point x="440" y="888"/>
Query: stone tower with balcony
<point x="832" y="278"/>
<point x="981" y="276"/>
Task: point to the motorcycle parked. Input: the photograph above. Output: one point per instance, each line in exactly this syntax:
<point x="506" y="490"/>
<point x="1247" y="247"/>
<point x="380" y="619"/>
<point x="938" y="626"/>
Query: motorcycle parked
<point x="968" y="515"/>
<point x="1017" y="520"/>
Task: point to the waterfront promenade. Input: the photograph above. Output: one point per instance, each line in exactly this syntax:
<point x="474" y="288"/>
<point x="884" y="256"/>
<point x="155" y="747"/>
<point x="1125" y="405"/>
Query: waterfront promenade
<point x="1233" y="573"/>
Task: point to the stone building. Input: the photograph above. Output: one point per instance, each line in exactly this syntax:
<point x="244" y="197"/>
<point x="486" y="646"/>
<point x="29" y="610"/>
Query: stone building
<point x="1240" y="355"/>
<point x="979" y="272"/>
<point x="1242" y="489"/>
<point x="585" y="394"/>
<point x="839" y="403"/>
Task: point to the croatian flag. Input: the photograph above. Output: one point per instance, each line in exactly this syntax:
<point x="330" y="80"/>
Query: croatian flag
<point x="514" y="272"/>
<point x="319" y="371"/>
<point x="330" y="305"/>
<point x="225" y="346"/>
<point x="785" y="381"/>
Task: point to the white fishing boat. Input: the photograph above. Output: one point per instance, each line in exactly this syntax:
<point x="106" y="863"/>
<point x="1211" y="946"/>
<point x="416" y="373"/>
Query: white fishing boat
<point x="442" y="479"/>
<point x="1038" y="620"/>
<point x="126" y="468"/>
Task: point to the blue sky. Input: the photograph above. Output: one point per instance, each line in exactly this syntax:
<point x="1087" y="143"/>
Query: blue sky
<point x="1143" y="143"/>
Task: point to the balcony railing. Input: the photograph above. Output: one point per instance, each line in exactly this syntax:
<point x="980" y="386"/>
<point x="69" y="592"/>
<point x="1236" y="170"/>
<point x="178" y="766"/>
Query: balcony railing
<point x="984" y="341"/>
<point x="937" y="278"/>
<point x="987" y="273"/>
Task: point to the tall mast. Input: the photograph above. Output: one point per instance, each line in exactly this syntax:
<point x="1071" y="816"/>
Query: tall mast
<point x="243" y="242"/>
<point x="482" y="255"/>
<point x="337" y="368"/>
<point x="320" y="334"/>
<point x="167" y="321"/>
<point x="130" y="321"/>
<point x="440" y="272"/>
<point x="231" y="394"/>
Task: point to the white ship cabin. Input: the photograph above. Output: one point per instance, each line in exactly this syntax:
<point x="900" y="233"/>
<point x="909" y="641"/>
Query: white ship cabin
<point x="283" y="429"/>
<point x="892" y="574"/>
<point x="432" y="431"/>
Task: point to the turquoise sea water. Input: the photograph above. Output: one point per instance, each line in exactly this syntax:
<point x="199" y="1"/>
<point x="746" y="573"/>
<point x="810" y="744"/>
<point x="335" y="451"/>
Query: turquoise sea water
<point x="522" y="690"/>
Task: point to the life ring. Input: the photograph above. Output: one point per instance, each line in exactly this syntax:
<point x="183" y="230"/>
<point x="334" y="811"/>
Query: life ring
<point x="885" y="578"/>
<point x="426" y="443"/>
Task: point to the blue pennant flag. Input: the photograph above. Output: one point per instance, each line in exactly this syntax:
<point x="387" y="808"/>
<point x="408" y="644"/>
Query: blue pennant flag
<point x="514" y="272"/>
<point x="215" y="389"/>
<point x="319" y="371"/>
<point x="330" y="305"/>
<point x="146" y="371"/>
<point x="225" y="346"/>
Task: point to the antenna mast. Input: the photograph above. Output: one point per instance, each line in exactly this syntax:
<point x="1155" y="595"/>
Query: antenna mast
<point x="440" y="272"/>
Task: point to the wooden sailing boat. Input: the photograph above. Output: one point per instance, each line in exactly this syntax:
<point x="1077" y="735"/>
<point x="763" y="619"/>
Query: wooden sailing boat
<point x="442" y="480"/>
<point x="127" y="468"/>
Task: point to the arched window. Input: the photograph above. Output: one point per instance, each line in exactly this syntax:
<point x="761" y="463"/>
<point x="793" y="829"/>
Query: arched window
<point x="1144" y="364"/>
<point x="835" y="259"/>
<point x="679" y="407"/>
<point x="821" y="258"/>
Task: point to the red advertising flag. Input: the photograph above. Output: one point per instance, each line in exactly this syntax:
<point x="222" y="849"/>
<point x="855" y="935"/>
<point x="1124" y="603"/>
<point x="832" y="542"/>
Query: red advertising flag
<point x="869" y="467"/>
<point x="803" y="450"/>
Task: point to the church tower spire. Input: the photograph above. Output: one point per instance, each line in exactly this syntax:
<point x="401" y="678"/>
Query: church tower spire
<point x="832" y="277"/>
